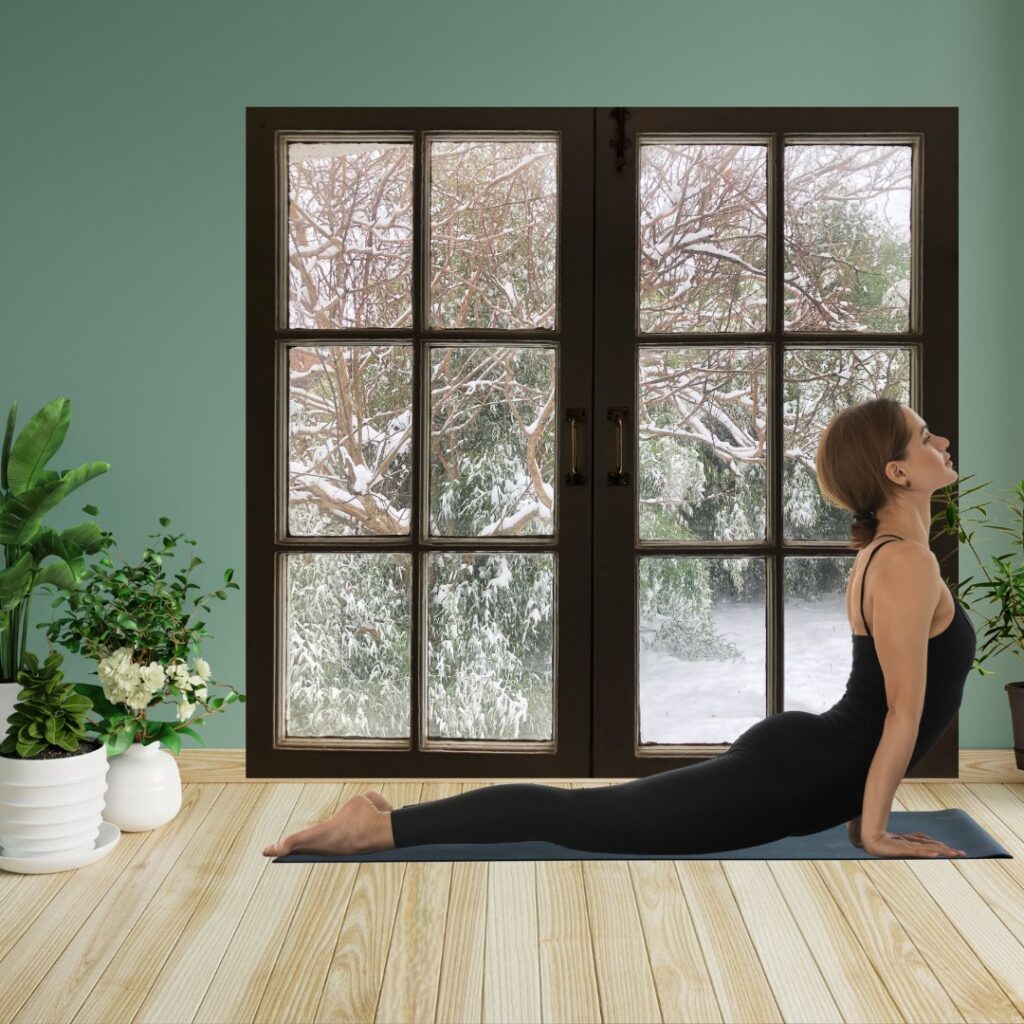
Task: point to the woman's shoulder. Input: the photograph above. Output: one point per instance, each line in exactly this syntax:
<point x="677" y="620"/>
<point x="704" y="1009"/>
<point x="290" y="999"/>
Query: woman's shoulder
<point x="898" y="567"/>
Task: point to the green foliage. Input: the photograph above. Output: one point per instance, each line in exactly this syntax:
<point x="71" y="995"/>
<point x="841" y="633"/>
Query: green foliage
<point x="1003" y="587"/>
<point x="135" y="606"/>
<point x="49" y="712"/>
<point x="27" y="492"/>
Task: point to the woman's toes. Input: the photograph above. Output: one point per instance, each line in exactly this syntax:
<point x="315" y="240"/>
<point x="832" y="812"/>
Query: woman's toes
<point x="287" y="844"/>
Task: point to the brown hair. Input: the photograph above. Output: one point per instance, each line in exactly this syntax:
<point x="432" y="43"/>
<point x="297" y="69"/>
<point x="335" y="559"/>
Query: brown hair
<point x="851" y="459"/>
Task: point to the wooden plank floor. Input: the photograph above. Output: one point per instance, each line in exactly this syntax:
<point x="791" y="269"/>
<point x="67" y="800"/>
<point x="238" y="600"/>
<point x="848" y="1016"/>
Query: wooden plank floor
<point x="190" y="922"/>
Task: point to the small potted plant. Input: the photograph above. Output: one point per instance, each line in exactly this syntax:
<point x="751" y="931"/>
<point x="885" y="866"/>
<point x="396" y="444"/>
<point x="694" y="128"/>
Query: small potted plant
<point x="28" y="490"/>
<point x="52" y="777"/>
<point x="133" y="622"/>
<point x="1003" y="588"/>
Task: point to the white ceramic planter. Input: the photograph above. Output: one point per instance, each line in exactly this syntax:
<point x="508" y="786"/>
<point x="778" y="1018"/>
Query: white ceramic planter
<point x="53" y="805"/>
<point x="144" y="788"/>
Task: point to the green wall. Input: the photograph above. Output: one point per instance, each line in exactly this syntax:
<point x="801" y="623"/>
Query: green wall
<point x="122" y="208"/>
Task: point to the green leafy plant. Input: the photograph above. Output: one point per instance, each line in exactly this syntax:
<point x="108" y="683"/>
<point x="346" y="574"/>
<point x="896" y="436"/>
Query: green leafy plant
<point x="28" y="490"/>
<point x="1003" y="586"/>
<point x="133" y="621"/>
<point x="49" y="712"/>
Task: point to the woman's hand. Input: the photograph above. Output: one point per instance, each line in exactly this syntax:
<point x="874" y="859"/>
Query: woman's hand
<point x="908" y="844"/>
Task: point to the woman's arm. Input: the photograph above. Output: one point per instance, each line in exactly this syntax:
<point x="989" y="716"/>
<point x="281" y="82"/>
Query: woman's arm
<point x="906" y="593"/>
<point x="888" y="767"/>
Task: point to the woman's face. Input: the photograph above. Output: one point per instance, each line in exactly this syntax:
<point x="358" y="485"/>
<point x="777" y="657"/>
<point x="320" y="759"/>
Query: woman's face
<point x="928" y="465"/>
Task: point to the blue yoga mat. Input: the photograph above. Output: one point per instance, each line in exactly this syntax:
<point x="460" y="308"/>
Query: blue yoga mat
<point x="953" y="826"/>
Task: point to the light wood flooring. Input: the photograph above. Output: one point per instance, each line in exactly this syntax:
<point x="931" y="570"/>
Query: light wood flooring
<point x="190" y="922"/>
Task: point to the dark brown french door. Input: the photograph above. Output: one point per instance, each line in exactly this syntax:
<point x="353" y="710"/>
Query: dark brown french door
<point x="532" y="401"/>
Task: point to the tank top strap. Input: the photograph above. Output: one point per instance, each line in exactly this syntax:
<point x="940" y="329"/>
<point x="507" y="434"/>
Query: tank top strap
<point x="864" y="574"/>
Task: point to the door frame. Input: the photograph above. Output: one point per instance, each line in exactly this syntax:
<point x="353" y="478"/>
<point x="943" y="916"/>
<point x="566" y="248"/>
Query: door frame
<point x="269" y="753"/>
<point x="933" y="387"/>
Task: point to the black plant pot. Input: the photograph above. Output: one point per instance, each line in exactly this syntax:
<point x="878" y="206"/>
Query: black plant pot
<point x="1015" y="692"/>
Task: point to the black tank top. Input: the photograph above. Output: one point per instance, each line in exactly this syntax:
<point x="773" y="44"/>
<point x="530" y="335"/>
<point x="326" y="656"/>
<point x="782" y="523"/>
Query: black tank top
<point x="860" y="712"/>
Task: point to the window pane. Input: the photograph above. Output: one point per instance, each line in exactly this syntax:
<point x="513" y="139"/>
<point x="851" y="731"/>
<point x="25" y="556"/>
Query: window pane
<point x="702" y="671"/>
<point x="493" y="233"/>
<point x="490" y="645"/>
<point x="349" y="234"/>
<point x="348" y="623"/>
<point x="847" y="238"/>
<point x="818" y="650"/>
<point x="702" y="443"/>
<point x="703" y="243"/>
<point x="492" y="442"/>
<point x="349" y="440"/>
<point x="818" y="382"/>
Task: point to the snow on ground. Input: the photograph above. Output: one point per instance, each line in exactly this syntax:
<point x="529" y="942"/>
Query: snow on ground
<point x="714" y="701"/>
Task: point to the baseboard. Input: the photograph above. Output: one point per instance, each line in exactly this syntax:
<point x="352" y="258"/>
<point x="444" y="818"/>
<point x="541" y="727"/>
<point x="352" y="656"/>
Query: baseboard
<point x="227" y="764"/>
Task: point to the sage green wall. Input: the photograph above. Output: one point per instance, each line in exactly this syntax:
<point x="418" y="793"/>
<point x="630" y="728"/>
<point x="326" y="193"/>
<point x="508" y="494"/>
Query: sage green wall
<point x="122" y="207"/>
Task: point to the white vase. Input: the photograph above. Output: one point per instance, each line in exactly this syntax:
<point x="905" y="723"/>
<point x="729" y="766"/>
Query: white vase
<point x="53" y="805"/>
<point x="143" y="788"/>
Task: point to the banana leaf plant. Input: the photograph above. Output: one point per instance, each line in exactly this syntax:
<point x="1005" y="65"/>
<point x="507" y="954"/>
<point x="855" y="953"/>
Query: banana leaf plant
<point x="34" y="554"/>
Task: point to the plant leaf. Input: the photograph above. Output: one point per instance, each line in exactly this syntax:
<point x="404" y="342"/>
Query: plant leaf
<point x="192" y="732"/>
<point x="36" y="444"/>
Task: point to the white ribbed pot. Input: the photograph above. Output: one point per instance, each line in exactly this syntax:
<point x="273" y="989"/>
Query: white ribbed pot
<point x="143" y="788"/>
<point x="52" y="805"/>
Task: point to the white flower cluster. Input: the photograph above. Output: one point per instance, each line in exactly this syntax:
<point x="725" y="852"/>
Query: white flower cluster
<point x="127" y="682"/>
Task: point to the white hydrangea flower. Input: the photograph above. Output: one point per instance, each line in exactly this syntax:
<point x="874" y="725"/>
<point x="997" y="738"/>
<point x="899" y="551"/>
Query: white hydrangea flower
<point x="185" y="710"/>
<point x="121" y="678"/>
<point x="114" y="693"/>
<point x="202" y="668"/>
<point x="138" y="698"/>
<point x="179" y="675"/>
<point x="152" y="677"/>
<point x="112" y="669"/>
<point x="200" y="693"/>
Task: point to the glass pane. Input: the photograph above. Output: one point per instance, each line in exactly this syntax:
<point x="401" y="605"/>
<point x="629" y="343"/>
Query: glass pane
<point x="703" y="244"/>
<point x="348" y="622"/>
<point x="702" y="672"/>
<point x="349" y="440"/>
<point x="818" y="650"/>
<point x="490" y="645"/>
<point x="492" y="441"/>
<point x="847" y="238"/>
<point x="702" y="443"/>
<point x="349" y="234"/>
<point x="818" y="382"/>
<point x="493" y="233"/>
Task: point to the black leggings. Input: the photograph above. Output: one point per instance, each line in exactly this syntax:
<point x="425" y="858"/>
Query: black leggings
<point x="788" y="774"/>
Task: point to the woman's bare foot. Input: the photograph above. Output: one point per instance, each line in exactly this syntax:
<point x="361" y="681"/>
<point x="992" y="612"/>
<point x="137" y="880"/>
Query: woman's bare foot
<point x="356" y="827"/>
<point x="378" y="801"/>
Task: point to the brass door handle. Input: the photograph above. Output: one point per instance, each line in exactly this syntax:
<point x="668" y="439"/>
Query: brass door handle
<point x="574" y="477"/>
<point x="618" y="476"/>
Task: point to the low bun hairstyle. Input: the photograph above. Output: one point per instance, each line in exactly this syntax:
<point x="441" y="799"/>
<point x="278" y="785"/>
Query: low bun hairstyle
<point x="850" y="462"/>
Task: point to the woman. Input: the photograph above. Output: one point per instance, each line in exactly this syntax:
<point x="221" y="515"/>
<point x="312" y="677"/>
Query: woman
<point x="792" y="773"/>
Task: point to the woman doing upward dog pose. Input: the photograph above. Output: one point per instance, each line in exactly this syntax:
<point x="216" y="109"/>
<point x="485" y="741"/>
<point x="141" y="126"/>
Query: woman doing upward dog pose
<point x="792" y="773"/>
